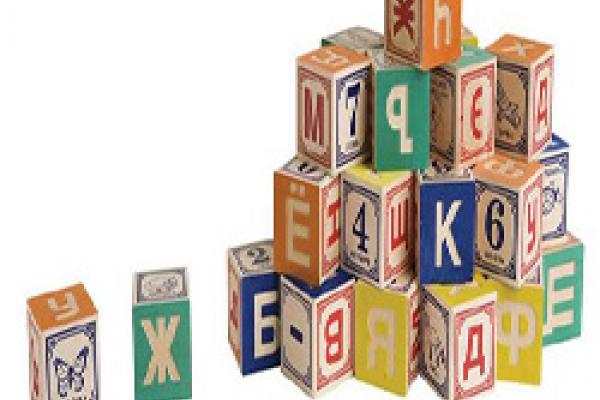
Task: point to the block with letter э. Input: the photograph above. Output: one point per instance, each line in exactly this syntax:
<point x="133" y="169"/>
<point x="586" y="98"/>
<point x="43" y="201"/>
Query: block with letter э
<point x="468" y="37"/>
<point x="556" y="178"/>
<point x="356" y="38"/>
<point x="253" y="312"/>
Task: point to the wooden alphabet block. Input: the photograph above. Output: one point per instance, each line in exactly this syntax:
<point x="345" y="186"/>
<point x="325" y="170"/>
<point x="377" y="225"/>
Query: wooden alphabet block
<point x="332" y="84"/>
<point x="556" y="178"/>
<point x="424" y="33"/>
<point x="509" y="214"/>
<point x="468" y="37"/>
<point x="253" y="306"/>
<point x="63" y="345"/>
<point x="307" y="221"/>
<point x="377" y="223"/>
<point x="162" y="335"/>
<point x="317" y="332"/>
<point x="525" y="81"/>
<point x="356" y="38"/>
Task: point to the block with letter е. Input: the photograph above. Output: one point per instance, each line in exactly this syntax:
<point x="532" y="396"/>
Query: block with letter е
<point x="63" y="345"/>
<point x="525" y="90"/>
<point x="377" y="223"/>
<point x="317" y="332"/>
<point x="356" y="38"/>
<point x="162" y="335"/>
<point x="458" y="339"/>
<point x="556" y="178"/>
<point x="468" y="37"/>
<point x="253" y="311"/>
<point x="306" y="221"/>
<point x="509" y="212"/>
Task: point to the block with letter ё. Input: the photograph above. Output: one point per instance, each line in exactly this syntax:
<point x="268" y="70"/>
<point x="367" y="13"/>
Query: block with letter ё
<point x="317" y="332"/>
<point x="386" y="322"/>
<point x="556" y="178"/>
<point x="356" y="38"/>
<point x="306" y="221"/>
<point x="468" y="37"/>
<point x="162" y="335"/>
<point x="509" y="212"/>
<point x="525" y="90"/>
<point x="253" y="311"/>
<point x="332" y="86"/>
<point x="377" y="223"/>
<point x="458" y="339"/>
<point x="63" y="346"/>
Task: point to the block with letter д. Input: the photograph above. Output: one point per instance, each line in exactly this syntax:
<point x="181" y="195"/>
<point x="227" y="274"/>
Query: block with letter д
<point x="356" y="38"/>
<point x="555" y="159"/>
<point x="253" y="311"/>
<point x="162" y="335"/>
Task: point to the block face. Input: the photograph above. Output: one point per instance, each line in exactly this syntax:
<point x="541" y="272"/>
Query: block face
<point x="443" y="113"/>
<point x="36" y="361"/>
<point x="162" y="285"/>
<point x="330" y="227"/>
<point x="556" y="175"/>
<point x="356" y="38"/>
<point x="403" y="29"/>
<point x="531" y="235"/>
<point x="543" y="77"/>
<point x="234" y="328"/>
<point x="435" y="354"/>
<point x="512" y="129"/>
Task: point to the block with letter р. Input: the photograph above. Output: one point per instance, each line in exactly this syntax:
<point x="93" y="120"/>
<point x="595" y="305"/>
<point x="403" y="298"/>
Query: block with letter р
<point x="525" y="90"/>
<point x="356" y="38"/>
<point x="458" y="339"/>
<point x="317" y="332"/>
<point x="332" y="85"/>
<point x="468" y="37"/>
<point x="509" y="213"/>
<point x="63" y="346"/>
<point x="253" y="311"/>
<point x="306" y="221"/>
<point x="162" y="335"/>
<point x="377" y="223"/>
<point x="556" y="178"/>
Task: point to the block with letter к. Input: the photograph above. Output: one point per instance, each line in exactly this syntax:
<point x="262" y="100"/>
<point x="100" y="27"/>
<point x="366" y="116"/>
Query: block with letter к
<point x="555" y="159"/>
<point x="356" y="38"/>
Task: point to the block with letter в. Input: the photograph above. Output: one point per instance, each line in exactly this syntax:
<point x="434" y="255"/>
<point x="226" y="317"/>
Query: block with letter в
<point x="525" y="90"/>
<point x="468" y="37"/>
<point x="162" y="335"/>
<point x="317" y="332"/>
<point x="555" y="159"/>
<point x="253" y="312"/>
<point x="63" y="345"/>
<point x="377" y="223"/>
<point x="357" y="38"/>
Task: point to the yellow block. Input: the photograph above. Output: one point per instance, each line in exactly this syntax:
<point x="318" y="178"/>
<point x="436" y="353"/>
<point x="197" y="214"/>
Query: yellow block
<point x="469" y="38"/>
<point x="456" y="295"/>
<point x="379" y="180"/>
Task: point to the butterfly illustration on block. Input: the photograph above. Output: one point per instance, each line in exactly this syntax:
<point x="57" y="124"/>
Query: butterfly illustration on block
<point x="71" y="377"/>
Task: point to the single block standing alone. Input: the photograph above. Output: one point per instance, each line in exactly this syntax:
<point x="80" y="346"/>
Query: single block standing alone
<point x="356" y="38"/>
<point x="556" y="179"/>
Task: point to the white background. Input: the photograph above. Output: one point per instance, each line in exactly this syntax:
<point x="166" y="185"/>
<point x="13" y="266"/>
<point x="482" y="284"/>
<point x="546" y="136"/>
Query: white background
<point x="143" y="134"/>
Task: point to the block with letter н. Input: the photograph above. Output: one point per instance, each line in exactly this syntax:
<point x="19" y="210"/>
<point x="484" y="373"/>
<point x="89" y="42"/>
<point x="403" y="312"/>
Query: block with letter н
<point x="555" y="159"/>
<point x="356" y="38"/>
<point x="162" y="335"/>
<point x="253" y="311"/>
<point x="317" y="332"/>
<point x="63" y="345"/>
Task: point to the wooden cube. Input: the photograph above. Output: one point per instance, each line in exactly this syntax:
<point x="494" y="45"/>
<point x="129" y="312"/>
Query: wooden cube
<point x="525" y="80"/>
<point x="377" y="223"/>
<point x="162" y="340"/>
<point x="356" y="38"/>
<point x="307" y="221"/>
<point x="63" y="345"/>
<point x="509" y="213"/>
<point x="556" y="178"/>
<point x="317" y="332"/>
<point x="458" y="328"/>
<point x="253" y="298"/>
<point x="425" y="33"/>
<point x="468" y="37"/>
<point x="387" y="344"/>
<point x="463" y="108"/>
<point x="332" y="107"/>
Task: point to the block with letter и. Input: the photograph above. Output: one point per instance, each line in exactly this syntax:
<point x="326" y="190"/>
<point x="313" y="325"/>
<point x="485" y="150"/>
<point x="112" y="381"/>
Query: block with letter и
<point x="253" y="306"/>
<point x="555" y="159"/>
<point x="63" y="345"/>
<point x="162" y="335"/>
<point x="317" y="332"/>
<point x="356" y="38"/>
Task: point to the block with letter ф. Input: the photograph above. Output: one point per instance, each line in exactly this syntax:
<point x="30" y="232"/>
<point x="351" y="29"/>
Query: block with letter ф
<point x="468" y="37"/>
<point x="332" y="115"/>
<point x="317" y="332"/>
<point x="162" y="335"/>
<point x="458" y="339"/>
<point x="509" y="219"/>
<point x="356" y="38"/>
<point x="253" y="311"/>
<point x="556" y="178"/>
<point x="63" y="345"/>
<point x="387" y="343"/>
<point x="377" y="223"/>
<point x="525" y="91"/>
<point x="306" y="221"/>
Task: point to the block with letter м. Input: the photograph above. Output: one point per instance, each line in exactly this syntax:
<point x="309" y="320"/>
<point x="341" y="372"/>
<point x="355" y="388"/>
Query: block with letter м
<point x="317" y="332"/>
<point x="555" y="159"/>
<point x="63" y="346"/>
<point x="162" y="335"/>
<point x="356" y="38"/>
<point x="253" y="312"/>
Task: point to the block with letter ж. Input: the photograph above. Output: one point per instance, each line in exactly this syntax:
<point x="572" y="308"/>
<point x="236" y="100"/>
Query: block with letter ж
<point x="356" y="38"/>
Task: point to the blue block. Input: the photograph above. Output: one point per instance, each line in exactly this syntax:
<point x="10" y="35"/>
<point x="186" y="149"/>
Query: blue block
<point x="555" y="158"/>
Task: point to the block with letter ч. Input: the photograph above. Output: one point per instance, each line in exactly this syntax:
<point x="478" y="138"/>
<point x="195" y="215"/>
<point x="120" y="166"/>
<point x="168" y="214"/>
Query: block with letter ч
<point x="332" y="117"/>
<point x="162" y="335"/>
<point x="63" y="345"/>
<point x="458" y="339"/>
<point x="468" y="37"/>
<point x="563" y="283"/>
<point x="356" y="38"/>
<point x="424" y="33"/>
<point x="556" y="178"/>
<point x="387" y="344"/>
<point x="525" y="90"/>
<point x="317" y="332"/>
<point x="253" y="311"/>
<point x="377" y="223"/>
<point x="509" y="212"/>
<point x="463" y="108"/>
<point x="306" y="221"/>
